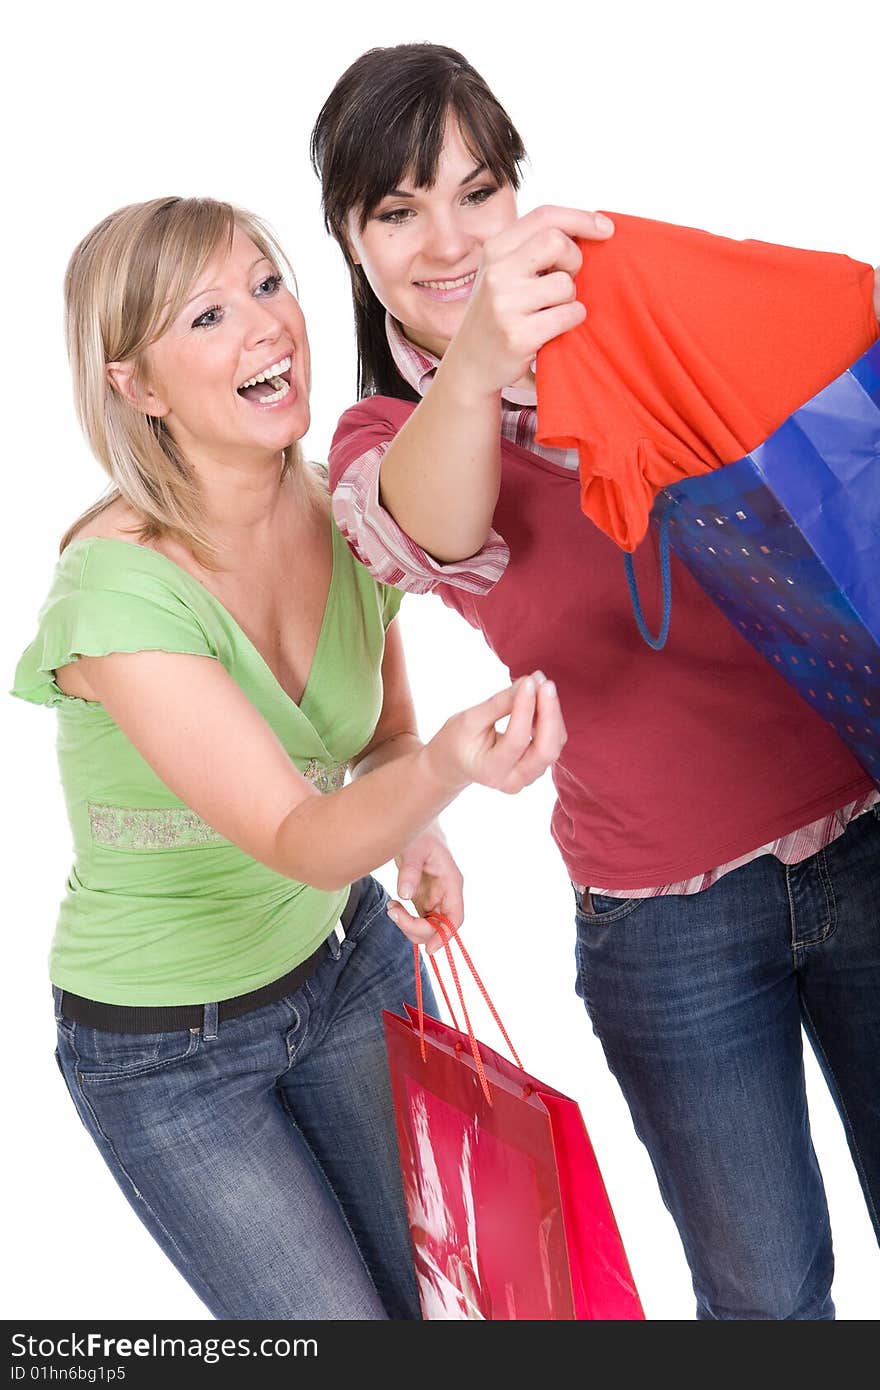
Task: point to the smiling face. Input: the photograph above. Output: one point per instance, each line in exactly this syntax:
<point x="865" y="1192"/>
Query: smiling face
<point x="421" y="248"/>
<point x="230" y="375"/>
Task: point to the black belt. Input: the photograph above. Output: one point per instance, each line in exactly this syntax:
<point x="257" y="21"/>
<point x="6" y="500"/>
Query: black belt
<point x="125" y="1018"/>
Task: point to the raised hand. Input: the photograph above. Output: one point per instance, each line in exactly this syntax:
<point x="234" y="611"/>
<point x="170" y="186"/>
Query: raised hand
<point x="469" y="747"/>
<point x="524" y="295"/>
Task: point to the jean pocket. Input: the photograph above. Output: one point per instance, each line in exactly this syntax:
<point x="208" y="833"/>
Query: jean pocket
<point x="372" y="905"/>
<point x="606" y="909"/>
<point x="66" y="1027"/>
<point x="104" y="1056"/>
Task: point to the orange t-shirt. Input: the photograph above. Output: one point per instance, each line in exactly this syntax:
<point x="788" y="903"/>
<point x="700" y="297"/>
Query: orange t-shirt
<point x="695" y="348"/>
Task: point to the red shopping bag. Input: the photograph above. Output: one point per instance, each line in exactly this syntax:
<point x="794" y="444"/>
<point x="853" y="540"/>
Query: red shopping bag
<point x="509" y="1217"/>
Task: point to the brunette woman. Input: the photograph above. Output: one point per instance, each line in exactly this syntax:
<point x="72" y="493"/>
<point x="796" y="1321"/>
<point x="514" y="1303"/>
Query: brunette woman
<point x="723" y="845"/>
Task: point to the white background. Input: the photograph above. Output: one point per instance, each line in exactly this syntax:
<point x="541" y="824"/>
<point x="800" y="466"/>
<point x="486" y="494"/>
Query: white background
<point x="749" y="120"/>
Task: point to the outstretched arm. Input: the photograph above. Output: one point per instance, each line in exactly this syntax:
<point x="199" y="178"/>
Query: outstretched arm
<point x="206" y="741"/>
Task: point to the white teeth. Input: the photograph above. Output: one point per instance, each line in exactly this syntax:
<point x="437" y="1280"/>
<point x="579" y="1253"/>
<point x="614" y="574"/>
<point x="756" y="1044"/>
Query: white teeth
<point x="449" y="284"/>
<point x="274" y="371"/>
<point x="278" y="395"/>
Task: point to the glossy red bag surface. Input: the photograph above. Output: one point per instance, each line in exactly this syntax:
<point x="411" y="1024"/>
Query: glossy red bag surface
<point x="509" y="1217"/>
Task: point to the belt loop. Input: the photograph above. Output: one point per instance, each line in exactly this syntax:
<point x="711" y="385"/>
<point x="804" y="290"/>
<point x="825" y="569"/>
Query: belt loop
<point x="209" y="1026"/>
<point x="346" y="917"/>
<point x="58" y="996"/>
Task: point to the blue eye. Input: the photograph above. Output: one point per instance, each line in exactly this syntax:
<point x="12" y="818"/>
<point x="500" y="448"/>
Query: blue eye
<point x="210" y="318"/>
<point x="271" y="284"/>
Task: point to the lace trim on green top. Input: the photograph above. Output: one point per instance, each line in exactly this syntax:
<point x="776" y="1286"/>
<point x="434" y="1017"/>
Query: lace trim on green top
<point x="324" y="778"/>
<point x="165" y="827"/>
<point x="177" y="827"/>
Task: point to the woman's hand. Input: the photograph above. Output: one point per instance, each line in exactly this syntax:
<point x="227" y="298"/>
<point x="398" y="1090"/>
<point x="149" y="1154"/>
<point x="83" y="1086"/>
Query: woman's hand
<point x="429" y="878"/>
<point x="524" y="296"/>
<point x="469" y="748"/>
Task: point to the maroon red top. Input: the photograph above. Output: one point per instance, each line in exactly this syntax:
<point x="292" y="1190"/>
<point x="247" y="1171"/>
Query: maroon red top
<point x="676" y="761"/>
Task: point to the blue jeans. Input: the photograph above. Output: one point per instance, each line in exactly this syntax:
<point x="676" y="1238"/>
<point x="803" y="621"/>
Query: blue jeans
<point x="261" y="1153"/>
<point x="699" y="1002"/>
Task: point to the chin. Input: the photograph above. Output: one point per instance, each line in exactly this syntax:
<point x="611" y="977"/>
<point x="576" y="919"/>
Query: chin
<point x="291" y="432"/>
<point x="448" y="318"/>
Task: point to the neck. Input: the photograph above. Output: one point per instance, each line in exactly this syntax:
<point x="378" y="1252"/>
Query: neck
<point x="435" y="346"/>
<point x="241" y="498"/>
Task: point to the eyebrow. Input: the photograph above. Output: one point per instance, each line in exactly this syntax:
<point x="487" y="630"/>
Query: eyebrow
<point x="475" y="172"/>
<point x="468" y="178"/>
<point x="217" y="288"/>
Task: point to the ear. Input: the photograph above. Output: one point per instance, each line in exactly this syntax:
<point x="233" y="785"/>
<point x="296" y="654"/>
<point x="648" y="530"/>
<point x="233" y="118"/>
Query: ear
<point x="123" y="379"/>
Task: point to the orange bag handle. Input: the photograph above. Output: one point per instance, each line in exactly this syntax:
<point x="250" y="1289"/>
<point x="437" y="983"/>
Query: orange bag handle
<point x="446" y="930"/>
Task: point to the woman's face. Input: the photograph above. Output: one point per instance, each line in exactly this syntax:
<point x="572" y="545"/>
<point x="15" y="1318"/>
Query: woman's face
<point x="240" y="322"/>
<point x="421" y="248"/>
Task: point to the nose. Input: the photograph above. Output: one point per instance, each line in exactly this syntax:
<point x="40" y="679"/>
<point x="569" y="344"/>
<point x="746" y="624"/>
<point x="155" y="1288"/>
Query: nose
<point x="448" y="241"/>
<point x="263" y="323"/>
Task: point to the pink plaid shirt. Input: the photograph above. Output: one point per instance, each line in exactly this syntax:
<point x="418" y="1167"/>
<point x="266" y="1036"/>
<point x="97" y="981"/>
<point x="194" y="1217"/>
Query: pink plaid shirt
<point x="395" y="559"/>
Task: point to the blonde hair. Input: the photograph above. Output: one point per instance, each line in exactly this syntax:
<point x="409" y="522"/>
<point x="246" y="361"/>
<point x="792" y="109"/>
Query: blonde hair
<point x="125" y="284"/>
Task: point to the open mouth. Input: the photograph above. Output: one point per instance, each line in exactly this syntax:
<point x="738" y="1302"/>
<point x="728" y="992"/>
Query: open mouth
<point x="269" y="386"/>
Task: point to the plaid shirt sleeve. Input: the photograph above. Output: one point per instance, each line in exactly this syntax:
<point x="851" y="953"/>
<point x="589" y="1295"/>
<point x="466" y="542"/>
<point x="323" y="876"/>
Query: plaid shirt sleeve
<point x="379" y="543"/>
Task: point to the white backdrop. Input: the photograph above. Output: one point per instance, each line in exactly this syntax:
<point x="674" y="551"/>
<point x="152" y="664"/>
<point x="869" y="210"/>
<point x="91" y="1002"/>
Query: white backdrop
<point x="754" y="119"/>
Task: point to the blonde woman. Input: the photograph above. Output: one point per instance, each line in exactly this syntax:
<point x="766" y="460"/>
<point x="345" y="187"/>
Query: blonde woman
<point x="217" y="659"/>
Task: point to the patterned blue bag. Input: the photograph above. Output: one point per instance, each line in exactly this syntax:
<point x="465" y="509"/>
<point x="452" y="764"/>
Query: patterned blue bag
<point x="787" y="543"/>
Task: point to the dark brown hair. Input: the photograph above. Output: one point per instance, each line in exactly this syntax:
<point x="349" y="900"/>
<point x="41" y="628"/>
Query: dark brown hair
<point x="383" y="122"/>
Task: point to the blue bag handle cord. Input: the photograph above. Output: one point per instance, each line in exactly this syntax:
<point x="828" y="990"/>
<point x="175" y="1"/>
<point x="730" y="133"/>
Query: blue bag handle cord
<point x="658" y="642"/>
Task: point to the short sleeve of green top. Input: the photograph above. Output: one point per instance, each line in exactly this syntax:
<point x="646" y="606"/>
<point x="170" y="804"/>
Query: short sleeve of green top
<point x="159" y="908"/>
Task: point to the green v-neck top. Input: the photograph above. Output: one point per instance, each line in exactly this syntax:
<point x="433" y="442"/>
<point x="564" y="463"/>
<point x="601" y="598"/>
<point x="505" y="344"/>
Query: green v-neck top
<point x="160" y="909"/>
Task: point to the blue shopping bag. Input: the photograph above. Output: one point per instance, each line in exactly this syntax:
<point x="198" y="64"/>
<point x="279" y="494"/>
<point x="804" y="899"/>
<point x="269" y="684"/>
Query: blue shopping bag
<point x="787" y="543"/>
